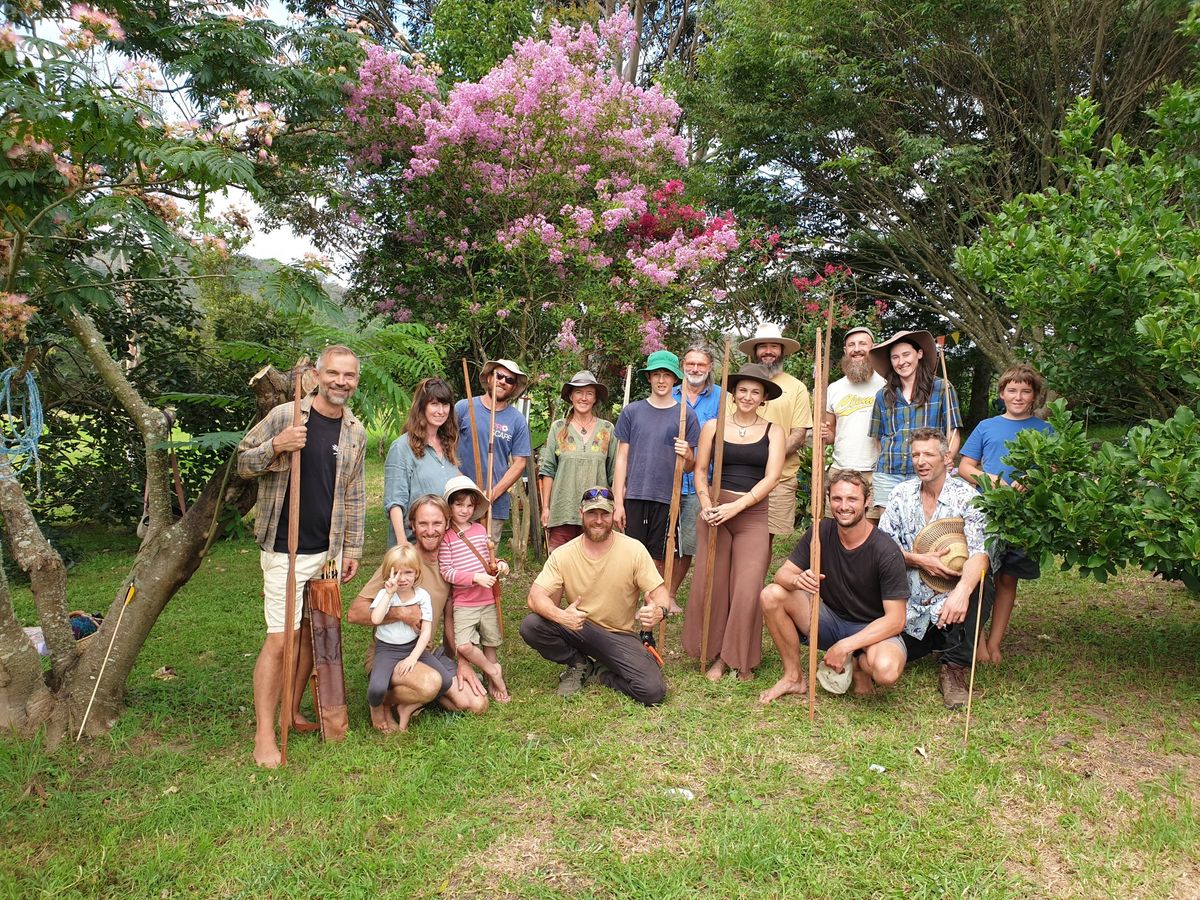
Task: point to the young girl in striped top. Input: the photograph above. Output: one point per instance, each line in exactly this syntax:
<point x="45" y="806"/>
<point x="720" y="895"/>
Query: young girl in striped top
<point x="467" y="562"/>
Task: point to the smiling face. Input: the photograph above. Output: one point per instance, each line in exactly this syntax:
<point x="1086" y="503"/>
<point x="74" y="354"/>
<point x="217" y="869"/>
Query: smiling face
<point x="429" y="527"/>
<point x="661" y="382"/>
<point x="929" y="461"/>
<point x="583" y="399"/>
<point x="696" y="366"/>
<point x="1018" y="397"/>
<point x="847" y="503"/>
<point x="768" y="353"/>
<point x="748" y="395"/>
<point x="462" y="509"/>
<point x="905" y="360"/>
<point x="503" y="382"/>
<point x="597" y="525"/>
<point x="337" y="378"/>
<point x="436" y="413"/>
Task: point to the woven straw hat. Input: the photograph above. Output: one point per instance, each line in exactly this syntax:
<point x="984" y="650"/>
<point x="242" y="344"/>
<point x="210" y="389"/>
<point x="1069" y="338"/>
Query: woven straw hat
<point x="463" y="483"/>
<point x="936" y="537"/>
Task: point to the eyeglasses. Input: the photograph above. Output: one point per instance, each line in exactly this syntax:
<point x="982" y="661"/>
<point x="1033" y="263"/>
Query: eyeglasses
<point x="507" y="379"/>
<point x="596" y="494"/>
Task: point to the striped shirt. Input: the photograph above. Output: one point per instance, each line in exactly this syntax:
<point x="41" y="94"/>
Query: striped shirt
<point x="459" y="565"/>
<point x="257" y="459"/>
<point x="893" y="426"/>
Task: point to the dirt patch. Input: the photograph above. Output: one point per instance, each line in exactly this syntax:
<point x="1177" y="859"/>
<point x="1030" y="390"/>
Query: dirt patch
<point x="1034" y="827"/>
<point x="499" y="868"/>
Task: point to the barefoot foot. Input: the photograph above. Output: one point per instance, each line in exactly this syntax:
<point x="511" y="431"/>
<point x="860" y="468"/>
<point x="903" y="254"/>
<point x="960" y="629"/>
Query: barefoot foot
<point x="406" y="712"/>
<point x="862" y="684"/>
<point x="381" y="719"/>
<point x="745" y="674"/>
<point x="716" y="671"/>
<point x="675" y="609"/>
<point x="993" y="657"/>
<point x="266" y="753"/>
<point x="782" y="688"/>
<point x="496" y="687"/>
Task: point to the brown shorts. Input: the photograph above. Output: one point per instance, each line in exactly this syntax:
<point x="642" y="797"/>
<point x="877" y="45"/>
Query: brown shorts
<point x="781" y="514"/>
<point x="477" y="625"/>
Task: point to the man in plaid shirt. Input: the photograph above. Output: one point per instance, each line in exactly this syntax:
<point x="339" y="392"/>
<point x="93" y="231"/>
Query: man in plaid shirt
<point x="332" y="444"/>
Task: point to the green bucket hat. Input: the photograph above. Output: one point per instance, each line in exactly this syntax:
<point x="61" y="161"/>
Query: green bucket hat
<point x="662" y="359"/>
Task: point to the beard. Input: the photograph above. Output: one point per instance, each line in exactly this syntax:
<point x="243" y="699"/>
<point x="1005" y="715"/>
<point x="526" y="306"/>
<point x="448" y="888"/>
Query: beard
<point x="859" y="371"/>
<point x="697" y="381"/>
<point x="774" y="368"/>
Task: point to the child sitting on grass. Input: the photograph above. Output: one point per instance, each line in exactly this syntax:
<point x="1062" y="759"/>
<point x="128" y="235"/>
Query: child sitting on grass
<point x="984" y="453"/>
<point x="398" y="646"/>
<point x="467" y="563"/>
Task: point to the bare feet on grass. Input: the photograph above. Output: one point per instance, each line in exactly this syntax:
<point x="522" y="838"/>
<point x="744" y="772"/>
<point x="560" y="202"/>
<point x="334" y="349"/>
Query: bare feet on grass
<point x="406" y="712"/>
<point x="782" y="688"/>
<point x="266" y="753"/>
<point x="862" y="684"/>
<point x="745" y="674"/>
<point x="675" y="609"/>
<point x="381" y="719"/>
<point x="496" y="687"/>
<point x="990" y="654"/>
<point x="716" y="671"/>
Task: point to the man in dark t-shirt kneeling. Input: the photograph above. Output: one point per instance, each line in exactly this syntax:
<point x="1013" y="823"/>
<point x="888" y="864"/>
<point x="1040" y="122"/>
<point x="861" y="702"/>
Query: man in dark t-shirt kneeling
<point x="864" y="592"/>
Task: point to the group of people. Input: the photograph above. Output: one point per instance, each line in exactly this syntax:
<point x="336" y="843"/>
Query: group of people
<point x="889" y="592"/>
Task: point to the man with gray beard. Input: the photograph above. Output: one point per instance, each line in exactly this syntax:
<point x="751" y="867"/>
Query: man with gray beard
<point x="847" y="416"/>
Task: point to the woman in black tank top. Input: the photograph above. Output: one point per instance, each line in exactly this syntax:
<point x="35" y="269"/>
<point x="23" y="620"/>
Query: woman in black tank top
<point x="751" y="466"/>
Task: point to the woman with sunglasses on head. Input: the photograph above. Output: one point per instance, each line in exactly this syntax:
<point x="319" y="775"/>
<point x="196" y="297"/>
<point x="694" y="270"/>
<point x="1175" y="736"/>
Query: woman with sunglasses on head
<point x="581" y="450"/>
<point x="423" y="458"/>
<point x="751" y="467"/>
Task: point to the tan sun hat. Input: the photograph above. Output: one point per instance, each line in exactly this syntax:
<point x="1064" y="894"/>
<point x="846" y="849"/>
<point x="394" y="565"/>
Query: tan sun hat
<point x="463" y="483"/>
<point x="936" y="537"/>
<point x="768" y="333"/>
<point x="490" y="366"/>
<point x="881" y="354"/>
<point x="584" y="378"/>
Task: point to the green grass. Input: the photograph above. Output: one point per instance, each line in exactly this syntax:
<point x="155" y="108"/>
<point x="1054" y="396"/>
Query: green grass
<point x="1081" y="778"/>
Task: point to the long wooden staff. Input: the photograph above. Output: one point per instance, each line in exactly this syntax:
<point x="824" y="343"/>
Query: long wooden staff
<point x="820" y="375"/>
<point x="941" y="342"/>
<point x="628" y="383"/>
<point x="673" y="517"/>
<point x="974" y="653"/>
<point x="474" y="430"/>
<point x="113" y="640"/>
<point x="488" y="526"/>
<point x="714" y="491"/>
<point x="293" y="542"/>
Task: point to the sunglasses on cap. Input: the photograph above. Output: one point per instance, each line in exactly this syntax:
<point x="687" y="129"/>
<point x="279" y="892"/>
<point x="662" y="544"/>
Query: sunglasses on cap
<point x="596" y="494"/>
<point x="507" y="379"/>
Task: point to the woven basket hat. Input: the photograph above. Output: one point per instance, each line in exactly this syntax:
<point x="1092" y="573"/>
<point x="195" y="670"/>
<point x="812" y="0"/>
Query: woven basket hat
<point x="935" y="538"/>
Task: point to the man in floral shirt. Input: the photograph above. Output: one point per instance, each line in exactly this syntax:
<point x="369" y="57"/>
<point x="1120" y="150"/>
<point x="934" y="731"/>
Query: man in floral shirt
<point x="934" y="620"/>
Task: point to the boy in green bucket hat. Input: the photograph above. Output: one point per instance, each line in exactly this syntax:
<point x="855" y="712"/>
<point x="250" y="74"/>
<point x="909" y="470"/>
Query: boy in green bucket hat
<point x="647" y="435"/>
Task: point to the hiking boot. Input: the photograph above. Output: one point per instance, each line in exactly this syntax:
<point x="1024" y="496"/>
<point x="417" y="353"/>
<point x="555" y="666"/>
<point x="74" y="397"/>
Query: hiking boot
<point x="595" y="669"/>
<point x="952" y="680"/>
<point x="570" y="682"/>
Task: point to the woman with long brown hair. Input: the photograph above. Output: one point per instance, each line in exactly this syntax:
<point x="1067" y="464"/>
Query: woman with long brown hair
<point x="423" y="458"/>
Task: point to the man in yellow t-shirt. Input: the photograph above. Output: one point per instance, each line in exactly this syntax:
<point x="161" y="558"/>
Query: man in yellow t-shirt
<point x="601" y="574"/>
<point x="792" y="412"/>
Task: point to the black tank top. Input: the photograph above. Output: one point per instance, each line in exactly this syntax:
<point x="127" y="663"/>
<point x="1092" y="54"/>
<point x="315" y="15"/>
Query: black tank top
<point x="745" y="464"/>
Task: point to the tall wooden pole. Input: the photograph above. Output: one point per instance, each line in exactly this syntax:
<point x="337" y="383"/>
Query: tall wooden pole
<point x="714" y="491"/>
<point x="474" y="429"/>
<point x="628" y="383"/>
<point x="941" y="342"/>
<point x="820" y="387"/>
<point x="293" y="542"/>
<point x="974" y="652"/>
<point x="490" y="484"/>
<point x="673" y="516"/>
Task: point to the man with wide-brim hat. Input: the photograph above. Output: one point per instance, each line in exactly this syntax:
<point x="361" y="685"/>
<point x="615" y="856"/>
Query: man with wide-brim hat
<point x="580" y="450"/>
<point x="792" y="411"/>
<point x="913" y="397"/>
<point x="846" y="419"/>
<point x="648" y="442"/>
<point x="943" y="599"/>
<point x="511" y="445"/>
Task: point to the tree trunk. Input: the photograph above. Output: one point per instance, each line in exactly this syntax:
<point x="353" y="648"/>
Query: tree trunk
<point x="980" y="406"/>
<point x="168" y="557"/>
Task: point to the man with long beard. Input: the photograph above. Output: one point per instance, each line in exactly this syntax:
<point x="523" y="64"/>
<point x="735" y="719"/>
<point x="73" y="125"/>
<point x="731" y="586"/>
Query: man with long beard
<point x="847" y="415"/>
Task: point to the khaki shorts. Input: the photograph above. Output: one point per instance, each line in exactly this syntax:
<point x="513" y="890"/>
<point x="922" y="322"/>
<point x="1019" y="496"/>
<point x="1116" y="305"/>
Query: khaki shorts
<point x="867" y="477"/>
<point x="274" y="569"/>
<point x="477" y="625"/>
<point x="781" y="515"/>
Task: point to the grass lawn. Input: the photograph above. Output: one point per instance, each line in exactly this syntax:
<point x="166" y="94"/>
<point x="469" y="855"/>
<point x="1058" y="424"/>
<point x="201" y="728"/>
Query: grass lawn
<point x="1082" y="778"/>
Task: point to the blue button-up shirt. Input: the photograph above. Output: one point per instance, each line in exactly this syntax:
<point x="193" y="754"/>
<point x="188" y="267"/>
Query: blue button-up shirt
<point x="905" y="517"/>
<point x="707" y="405"/>
<point x="894" y="426"/>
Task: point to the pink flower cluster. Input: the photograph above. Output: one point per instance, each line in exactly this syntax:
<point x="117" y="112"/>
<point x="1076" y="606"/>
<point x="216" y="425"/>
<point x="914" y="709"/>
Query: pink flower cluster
<point x="653" y="336"/>
<point x="15" y="313"/>
<point x="94" y="25"/>
<point x="803" y="285"/>
<point x="566" y="339"/>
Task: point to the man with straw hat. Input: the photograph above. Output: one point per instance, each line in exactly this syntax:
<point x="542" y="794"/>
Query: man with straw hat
<point x="648" y="442"/>
<point x="914" y="397"/>
<point x="864" y="592"/>
<point x="508" y="446"/>
<point x="933" y="520"/>
<point x="792" y="412"/>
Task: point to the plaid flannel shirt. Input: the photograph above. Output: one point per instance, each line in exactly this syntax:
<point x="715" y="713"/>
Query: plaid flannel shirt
<point x="894" y="426"/>
<point x="256" y="459"/>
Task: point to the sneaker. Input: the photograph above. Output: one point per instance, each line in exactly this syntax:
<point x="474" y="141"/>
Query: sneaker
<point x="952" y="680"/>
<point x="595" y="669"/>
<point x="570" y="682"/>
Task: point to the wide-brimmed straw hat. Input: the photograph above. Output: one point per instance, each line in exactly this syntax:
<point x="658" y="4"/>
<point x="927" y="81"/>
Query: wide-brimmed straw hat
<point x="584" y="378"/>
<point x="881" y="354"/>
<point x="833" y="681"/>
<point x="935" y="538"/>
<point x="665" y="360"/>
<point x="490" y="366"/>
<point x="768" y="333"/>
<point x="756" y="373"/>
<point x="463" y="483"/>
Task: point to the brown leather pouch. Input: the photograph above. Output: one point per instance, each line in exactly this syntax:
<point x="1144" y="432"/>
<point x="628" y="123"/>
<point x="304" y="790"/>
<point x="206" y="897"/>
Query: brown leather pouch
<point x="323" y="598"/>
